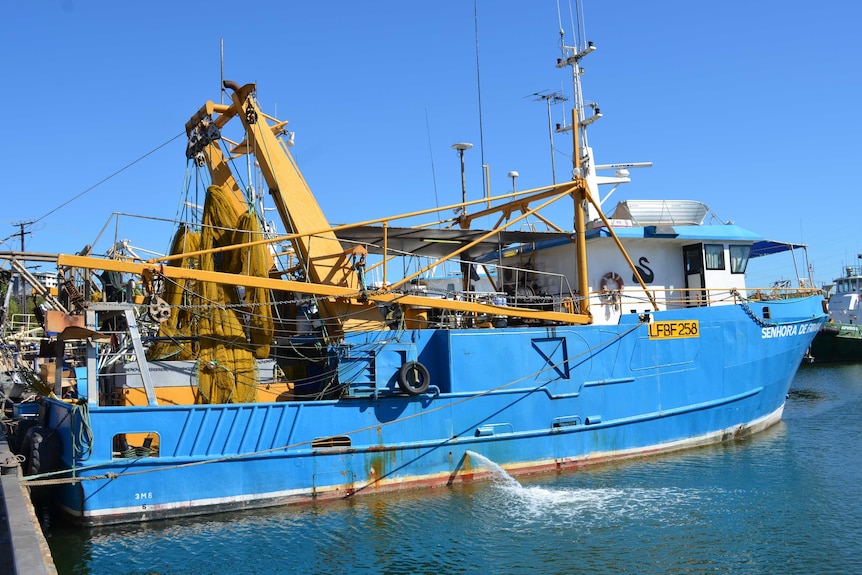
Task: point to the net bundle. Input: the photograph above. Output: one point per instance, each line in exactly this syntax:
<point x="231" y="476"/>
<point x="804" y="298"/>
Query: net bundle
<point x="233" y="324"/>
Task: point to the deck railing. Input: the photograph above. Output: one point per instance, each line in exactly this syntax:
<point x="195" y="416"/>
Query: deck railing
<point x="676" y="298"/>
<point x="25" y="324"/>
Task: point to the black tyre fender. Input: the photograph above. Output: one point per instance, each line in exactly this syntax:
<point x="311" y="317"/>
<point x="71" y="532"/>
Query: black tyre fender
<point x="41" y="446"/>
<point x="829" y="330"/>
<point x="42" y="449"/>
<point x="413" y="378"/>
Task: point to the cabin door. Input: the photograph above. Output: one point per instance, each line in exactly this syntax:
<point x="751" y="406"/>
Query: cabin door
<point x="692" y="256"/>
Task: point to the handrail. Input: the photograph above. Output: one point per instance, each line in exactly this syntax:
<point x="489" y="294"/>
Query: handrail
<point x="705" y="296"/>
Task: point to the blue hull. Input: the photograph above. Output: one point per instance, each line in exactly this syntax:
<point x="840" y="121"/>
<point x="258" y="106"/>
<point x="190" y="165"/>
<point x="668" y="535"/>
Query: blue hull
<point x="530" y="399"/>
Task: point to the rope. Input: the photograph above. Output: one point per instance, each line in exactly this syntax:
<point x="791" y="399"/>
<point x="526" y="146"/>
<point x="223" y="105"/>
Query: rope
<point x="82" y="440"/>
<point x="11" y="459"/>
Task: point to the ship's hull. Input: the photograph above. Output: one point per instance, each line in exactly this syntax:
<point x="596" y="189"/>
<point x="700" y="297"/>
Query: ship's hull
<point x="530" y="399"/>
<point x="837" y="342"/>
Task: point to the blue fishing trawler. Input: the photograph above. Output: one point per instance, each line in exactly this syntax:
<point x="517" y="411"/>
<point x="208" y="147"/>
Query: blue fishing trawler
<point x="252" y="367"/>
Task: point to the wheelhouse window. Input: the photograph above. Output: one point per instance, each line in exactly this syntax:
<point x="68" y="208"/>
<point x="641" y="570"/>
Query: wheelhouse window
<point x="847" y="285"/>
<point x="739" y="259"/>
<point x="713" y="255"/>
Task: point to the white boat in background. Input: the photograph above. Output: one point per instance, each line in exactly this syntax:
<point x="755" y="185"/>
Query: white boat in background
<point x="840" y="339"/>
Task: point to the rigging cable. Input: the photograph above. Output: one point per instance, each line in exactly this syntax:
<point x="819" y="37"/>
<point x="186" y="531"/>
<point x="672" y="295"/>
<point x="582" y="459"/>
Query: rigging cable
<point x="479" y="97"/>
<point x="102" y="181"/>
<point x="433" y="172"/>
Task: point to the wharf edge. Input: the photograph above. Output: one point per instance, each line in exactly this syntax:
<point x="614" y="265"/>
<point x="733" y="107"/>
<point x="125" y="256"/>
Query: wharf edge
<point x="23" y="548"/>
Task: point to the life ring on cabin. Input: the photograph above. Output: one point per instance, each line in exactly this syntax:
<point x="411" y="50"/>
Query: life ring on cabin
<point x="413" y="378"/>
<point x="611" y="295"/>
<point x="611" y="277"/>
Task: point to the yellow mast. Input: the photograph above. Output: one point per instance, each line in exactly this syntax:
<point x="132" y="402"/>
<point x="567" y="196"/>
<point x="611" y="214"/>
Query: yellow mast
<point x="580" y="196"/>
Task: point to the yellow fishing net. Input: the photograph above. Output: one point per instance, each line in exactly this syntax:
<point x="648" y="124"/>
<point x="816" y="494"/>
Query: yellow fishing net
<point x="233" y="323"/>
<point x="252" y="262"/>
<point x="180" y="326"/>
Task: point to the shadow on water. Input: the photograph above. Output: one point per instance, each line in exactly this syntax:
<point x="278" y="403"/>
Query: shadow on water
<point x="805" y="395"/>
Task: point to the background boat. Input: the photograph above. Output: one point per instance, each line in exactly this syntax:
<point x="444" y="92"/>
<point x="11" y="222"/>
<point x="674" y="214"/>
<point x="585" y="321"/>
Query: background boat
<point x="841" y="338"/>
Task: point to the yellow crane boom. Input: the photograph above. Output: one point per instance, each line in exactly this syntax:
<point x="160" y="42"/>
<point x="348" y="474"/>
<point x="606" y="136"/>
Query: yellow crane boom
<point x="322" y="257"/>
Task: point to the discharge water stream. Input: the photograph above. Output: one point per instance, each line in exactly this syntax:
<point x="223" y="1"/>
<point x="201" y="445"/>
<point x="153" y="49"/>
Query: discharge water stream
<point x="500" y="475"/>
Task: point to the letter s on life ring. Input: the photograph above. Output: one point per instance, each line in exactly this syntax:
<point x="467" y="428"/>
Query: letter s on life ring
<point x="611" y="277"/>
<point x="413" y="378"/>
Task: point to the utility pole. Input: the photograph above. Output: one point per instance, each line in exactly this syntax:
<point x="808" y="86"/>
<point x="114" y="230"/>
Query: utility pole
<point x="22" y="287"/>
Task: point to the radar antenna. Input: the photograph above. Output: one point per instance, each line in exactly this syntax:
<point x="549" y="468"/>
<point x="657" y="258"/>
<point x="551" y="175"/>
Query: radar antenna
<point x="552" y="98"/>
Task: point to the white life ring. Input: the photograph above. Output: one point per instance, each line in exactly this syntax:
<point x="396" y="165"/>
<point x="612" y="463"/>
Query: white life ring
<point x="611" y="295"/>
<point x="611" y="277"/>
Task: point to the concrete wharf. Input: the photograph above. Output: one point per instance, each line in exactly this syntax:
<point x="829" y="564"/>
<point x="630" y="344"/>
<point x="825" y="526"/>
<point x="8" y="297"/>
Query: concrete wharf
<point x="23" y="548"/>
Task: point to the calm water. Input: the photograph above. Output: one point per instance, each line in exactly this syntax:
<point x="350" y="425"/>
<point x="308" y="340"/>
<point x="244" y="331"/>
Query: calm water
<point x="788" y="500"/>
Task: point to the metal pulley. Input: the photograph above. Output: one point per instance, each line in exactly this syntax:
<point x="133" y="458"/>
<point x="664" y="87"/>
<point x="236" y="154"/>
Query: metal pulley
<point x="159" y="309"/>
<point x="201" y="136"/>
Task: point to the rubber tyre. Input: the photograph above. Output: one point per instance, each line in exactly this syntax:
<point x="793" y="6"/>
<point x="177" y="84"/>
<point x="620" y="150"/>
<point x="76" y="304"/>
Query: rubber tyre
<point x="41" y="446"/>
<point x="829" y="330"/>
<point x="413" y="378"/>
<point x="42" y="449"/>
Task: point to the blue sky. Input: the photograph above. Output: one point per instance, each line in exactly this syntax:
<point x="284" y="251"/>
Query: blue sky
<point x="749" y="106"/>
